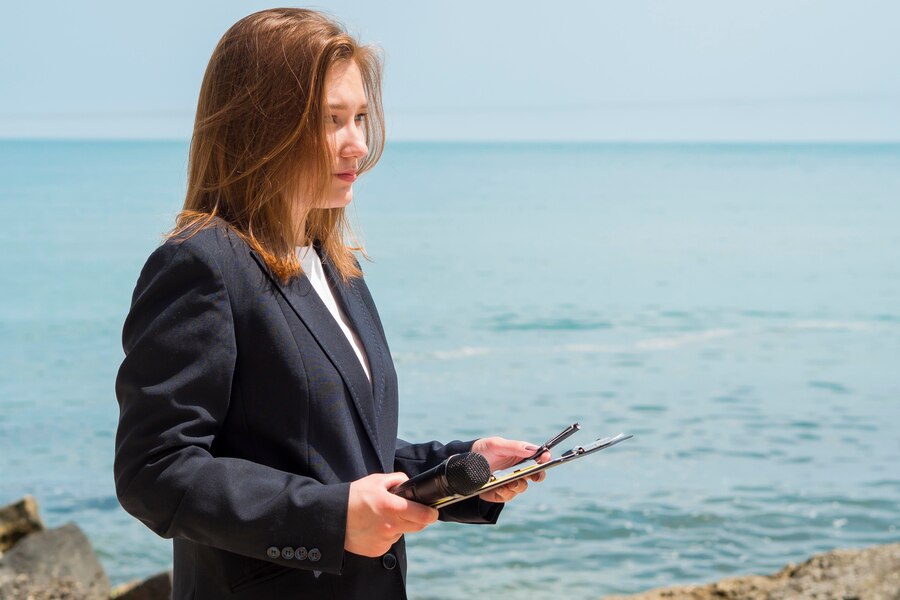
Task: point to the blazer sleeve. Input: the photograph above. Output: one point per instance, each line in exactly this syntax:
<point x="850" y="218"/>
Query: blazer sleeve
<point x="413" y="459"/>
<point x="173" y="389"/>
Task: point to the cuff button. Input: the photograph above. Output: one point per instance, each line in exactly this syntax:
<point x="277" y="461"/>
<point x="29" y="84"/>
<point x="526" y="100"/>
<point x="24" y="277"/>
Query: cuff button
<point x="273" y="552"/>
<point x="287" y="552"/>
<point x="314" y="554"/>
<point x="389" y="561"/>
<point x="300" y="553"/>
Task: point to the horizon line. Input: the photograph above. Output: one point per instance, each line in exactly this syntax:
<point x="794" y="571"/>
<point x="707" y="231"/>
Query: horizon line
<point x="487" y="141"/>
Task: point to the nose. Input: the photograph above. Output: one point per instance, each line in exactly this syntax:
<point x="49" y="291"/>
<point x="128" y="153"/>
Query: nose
<point x="353" y="142"/>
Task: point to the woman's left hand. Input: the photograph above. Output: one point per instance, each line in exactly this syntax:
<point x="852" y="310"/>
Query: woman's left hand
<point x="502" y="454"/>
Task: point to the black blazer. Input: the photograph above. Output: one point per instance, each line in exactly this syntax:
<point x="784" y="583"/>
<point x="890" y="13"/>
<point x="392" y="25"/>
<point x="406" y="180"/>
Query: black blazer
<point x="245" y="415"/>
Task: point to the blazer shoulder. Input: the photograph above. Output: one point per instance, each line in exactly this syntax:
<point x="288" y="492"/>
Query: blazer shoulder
<point x="215" y="244"/>
<point x="215" y="240"/>
<point x="213" y="251"/>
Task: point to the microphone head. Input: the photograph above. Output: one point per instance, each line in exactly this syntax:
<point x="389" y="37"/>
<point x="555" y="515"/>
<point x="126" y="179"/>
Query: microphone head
<point x="467" y="472"/>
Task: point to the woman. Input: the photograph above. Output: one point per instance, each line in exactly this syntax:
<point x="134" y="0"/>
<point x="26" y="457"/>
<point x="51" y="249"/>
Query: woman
<point x="258" y="398"/>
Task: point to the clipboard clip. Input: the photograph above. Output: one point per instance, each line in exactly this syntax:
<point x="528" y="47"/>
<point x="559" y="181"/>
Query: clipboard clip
<point x="555" y="440"/>
<point x="599" y="444"/>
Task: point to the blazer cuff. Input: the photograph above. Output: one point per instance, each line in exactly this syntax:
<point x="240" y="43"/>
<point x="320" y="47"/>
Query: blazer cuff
<point x="474" y="511"/>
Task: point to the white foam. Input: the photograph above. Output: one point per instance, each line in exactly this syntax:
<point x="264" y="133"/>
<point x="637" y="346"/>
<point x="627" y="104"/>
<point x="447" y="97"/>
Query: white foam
<point x="676" y="341"/>
<point x="832" y="325"/>
<point x="464" y="352"/>
<point x="650" y="344"/>
<point x="454" y="354"/>
<point x="590" y="348"/>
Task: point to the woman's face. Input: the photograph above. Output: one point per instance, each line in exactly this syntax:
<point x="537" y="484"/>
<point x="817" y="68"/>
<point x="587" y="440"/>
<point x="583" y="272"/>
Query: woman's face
<point x="345" y="124"/>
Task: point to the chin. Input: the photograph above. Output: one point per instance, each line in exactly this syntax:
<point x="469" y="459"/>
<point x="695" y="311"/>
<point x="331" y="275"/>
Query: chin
<point x="339" y="201"/>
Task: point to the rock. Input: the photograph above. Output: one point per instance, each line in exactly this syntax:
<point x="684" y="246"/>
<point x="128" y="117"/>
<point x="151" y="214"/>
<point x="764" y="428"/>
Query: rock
<point x="18" y="520"/>
<point x="53" y="564"/>
<point x="869" y="574"/>
<point x="22" y="587"/>
<point x="158" y="587"/>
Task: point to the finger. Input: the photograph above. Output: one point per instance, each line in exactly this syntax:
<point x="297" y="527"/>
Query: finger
<point x="402" y="525"/>
<point x="512" y="448"/>
<point x="417" y="513"/>
<point x="538" y="477"/>
<point x="511" y="490"/>
<point x="506" y="493"/>
<point x="543" y="457"/>
<point x="524" y="449"/>
<point x="405" y="526"/>
<point x="492" y="496"/>
<point x="392" y="479"/>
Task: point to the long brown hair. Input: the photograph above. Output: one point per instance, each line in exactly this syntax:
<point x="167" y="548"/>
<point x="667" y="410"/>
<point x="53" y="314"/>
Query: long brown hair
<point x="260" y="141"/>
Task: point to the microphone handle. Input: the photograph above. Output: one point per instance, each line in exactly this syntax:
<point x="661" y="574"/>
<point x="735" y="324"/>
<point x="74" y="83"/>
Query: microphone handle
<point x="426" y="487"/>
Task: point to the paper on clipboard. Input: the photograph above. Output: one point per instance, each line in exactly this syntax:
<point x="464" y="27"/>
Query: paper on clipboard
<point x="501" y="479"/>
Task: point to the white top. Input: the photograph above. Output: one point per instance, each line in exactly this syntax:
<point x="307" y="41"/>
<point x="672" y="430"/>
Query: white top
<point x="312" y="268"/>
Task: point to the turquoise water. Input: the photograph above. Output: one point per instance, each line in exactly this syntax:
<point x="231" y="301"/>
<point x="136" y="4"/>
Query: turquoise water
<point x="734" y="307"/>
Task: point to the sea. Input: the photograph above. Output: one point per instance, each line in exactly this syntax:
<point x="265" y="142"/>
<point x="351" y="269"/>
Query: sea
<point x="734" y="307"/>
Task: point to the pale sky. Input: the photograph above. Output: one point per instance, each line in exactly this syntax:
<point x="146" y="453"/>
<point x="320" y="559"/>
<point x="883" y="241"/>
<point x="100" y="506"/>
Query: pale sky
<point x="642" y="70"/>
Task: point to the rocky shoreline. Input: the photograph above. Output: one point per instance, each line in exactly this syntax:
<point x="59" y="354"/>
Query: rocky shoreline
<point x="867" y="574"/>
<point x="60" y="564"/>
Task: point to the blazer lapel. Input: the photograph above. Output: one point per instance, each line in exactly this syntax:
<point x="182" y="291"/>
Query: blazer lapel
<point x="386" y="412"/>
<point x="310" y="309"/>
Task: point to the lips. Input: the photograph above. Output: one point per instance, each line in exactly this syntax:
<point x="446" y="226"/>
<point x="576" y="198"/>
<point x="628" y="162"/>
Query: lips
<point x="349" y="176"/>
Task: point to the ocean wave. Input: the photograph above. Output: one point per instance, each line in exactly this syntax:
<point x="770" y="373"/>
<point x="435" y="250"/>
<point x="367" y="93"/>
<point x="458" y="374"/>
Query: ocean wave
<point x="454" y="354"/>
<point x="510" y="322"/>
<point x="651" y="344"/>
<point x="831" y="386"/>
<point x="831" y="325"/>
<point x="676" y="341"/>
<point x="591" y="348"/>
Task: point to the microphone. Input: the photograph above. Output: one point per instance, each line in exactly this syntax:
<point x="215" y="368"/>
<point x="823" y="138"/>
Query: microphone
<point x="461" y="474"/>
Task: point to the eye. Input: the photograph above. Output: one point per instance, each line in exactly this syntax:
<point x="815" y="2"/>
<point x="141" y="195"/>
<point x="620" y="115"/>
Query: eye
<point x="361" y="117"/>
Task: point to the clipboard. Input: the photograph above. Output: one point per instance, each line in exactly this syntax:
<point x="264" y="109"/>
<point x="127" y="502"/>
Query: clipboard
<point x="502" y="478"/>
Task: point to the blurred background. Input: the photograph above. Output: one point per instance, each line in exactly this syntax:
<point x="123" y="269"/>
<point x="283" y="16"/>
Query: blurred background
<point x="677" y="220"/>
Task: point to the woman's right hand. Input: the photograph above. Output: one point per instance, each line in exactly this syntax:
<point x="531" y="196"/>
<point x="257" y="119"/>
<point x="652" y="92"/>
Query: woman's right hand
<point x="377" y="518"/>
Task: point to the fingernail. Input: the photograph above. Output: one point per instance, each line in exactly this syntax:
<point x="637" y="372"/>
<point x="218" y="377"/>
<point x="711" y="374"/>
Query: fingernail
<point x="531" y="447"/>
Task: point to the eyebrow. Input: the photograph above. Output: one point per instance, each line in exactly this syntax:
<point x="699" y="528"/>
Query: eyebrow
<point x="344" y="106"/>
